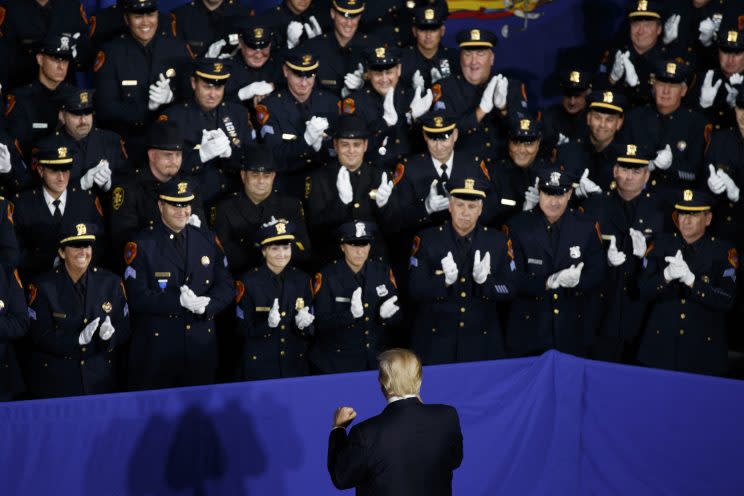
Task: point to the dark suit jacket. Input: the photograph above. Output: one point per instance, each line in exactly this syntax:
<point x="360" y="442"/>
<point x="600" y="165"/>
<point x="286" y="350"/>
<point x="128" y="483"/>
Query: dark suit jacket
<point x="408" y="449"/>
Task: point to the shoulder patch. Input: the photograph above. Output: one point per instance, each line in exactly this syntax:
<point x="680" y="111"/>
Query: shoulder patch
<point x="316" y="283"/>
<point x="733" y="258"/>
<point x="10" y="209"/>
<point x="348" y="106"/>
<point x="706" y="134"/>
<point x="173" y="25"/>
<point x="17" y="278"/>
<point x="416" y="245"/>
<point x="599" y="233"/>
<point x="509" y="248"/>
<point x="32" y="292"/>
<point x="262" y="114"/>
<point x="130" y="252"/>
<point x="83" y="15"/>
<point x="99" y="208"/>
<point x="392" y="279"/>
<point x="2" y="15"/>
<point x="162" y="118"/>
<point x="10" y="102"/>
<point x="219" y="243"/>
<point x="100" y="60"/>
<point x="484" y="169"/>
<point x="92" y="26"/>
<point x="436" y="90"/>
<point x="117" y="197"/>
<point x="400" y="171"/>
<point x="123" y="149"/>
<point x="239" y="291"/>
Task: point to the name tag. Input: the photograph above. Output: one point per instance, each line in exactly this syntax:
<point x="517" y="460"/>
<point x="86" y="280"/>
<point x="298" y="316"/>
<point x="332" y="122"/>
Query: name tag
<point x="341" y="299"/>
<point x="58" y="315"/>
<point x="39" y="125"/>
<point x="129" y="82"/>
<point x="287" y="136"/>
<point x="535" y="261"/>
<point x="438" y="272"/>
<point x="328" y="82"/>
<point x="608" y="237"/>
<point x="263" y="309"/>
<point x="508" y="202"/>
<point x="162" y="274"/>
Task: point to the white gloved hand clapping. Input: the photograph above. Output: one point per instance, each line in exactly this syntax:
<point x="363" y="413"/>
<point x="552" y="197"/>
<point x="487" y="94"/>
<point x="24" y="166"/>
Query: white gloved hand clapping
<point x="384" y="190"/>
<point x="434" y="201"/>
<point x="562" y="139"/>
<point x="388" y="108"/>
<point x="708" y="90"/>
<point x="436" y="75"/>
<point x="715" y="183"/>
<point x="501" y="92"/>
<point x="215" y="48"/>
<point x="389" y="308"/>
<point x="343" y="185"/>
<point x="194" y="220"/>
<point x="314" y="129"/>
<point x="708" y="29"/>
<point x="663" y="159"/>
<point x="87" y="180"/>
<point x="614" y="256"/>
<point x="4" y="159"/>
<point x="531" y="196"/>
<point x="481" y="267"/>
<point x="618" y="66"/>
<point x="294" y="31"/>
<point x="357" y="307"/>
<point x="220" y="135"/>
<point x="160" y="93"/>
<point x="421" y="104"/>
<point x="274" y="316"/>
<point x="631" y="76"/>
<point x="671" y="28"/>
<point x="678" y="270"/>
<point x="417" y="82"/>
<point x="732" y="89"/>
<point x="639" y="243"/>
<point x="304" y="318"/>
<point x="449" y="267"/>
<point x="213" y="145"/>
<point x="191" y="302"/>
<point x="102" y="177"/>
<point x="87" y="333"/>
<point x="732" y="190"/>
<point x="107" y="329"/>
<point x="312" y="28"/>
<point x="257" y="88"/>
<point x="586" y="186"/>
<point x="355" y="80"/>
<point x="486" y="102"/>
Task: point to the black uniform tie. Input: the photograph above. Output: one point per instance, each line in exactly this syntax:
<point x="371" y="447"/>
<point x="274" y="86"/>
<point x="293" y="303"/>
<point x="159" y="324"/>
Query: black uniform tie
<point x="443" y="178"/>
<point x="57" y="212"/>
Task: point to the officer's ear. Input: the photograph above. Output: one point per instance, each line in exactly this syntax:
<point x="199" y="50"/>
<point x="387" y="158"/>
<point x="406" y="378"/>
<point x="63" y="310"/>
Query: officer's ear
<point x="455" y="135"/>
<point x="684" y="89"/>
<point x="193" y="83"/>
<point x="285" y="71"/>
<point x="160" y="207"/>
<point x="39" y="59"/>
<point x="708" y="218"/>
<point x="366" y="144"/>
<point x="61" y="253"/>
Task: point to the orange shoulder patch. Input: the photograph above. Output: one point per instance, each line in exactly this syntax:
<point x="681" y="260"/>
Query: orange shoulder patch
<point x="348" y="106"/>
<point x="130" y="252"/>
<point x="392" y="279"/>
<point x="740" y="22"/>
<point x="316" y="283"/>
<point x="649" y="249"/>
<point x="599" y="233"/>
<point x="174" y="26"/>
<point x="219" y="243"/>
<point x="400" y="171"/>
<point x="10" y="102"/>
<point x="99" y="209"/>
<point x="436" y="90"/>
<point x="706" y="134"/>
<point x="83" y="15"/>
<point x="416" y="245"/>
<point x="192" y="54"/>
<point x="510" y="248"/>
<point x="32" y="292"/>
<point x="17" y="278"/>
<point x="262" y="114"/>
<point x="733" y="258"/>
<point x="505" y="230"/>
<point x="524" y="92"/>
<point x="10" y="211"/>
<point x="239" y="291"/>
<point x="92" y="26"/>
<point x="123" y="289"/>
<point x="162" y="118"/>
<point x="123" y="149"/>
<point x="484" y="169"/>
<point x="100" y="60"/>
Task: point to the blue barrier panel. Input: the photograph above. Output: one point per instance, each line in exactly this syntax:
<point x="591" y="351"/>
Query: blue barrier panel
<point x="550" y="425"/>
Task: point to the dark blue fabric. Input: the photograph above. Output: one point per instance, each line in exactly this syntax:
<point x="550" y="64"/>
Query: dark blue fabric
<point x="550" y="425"/>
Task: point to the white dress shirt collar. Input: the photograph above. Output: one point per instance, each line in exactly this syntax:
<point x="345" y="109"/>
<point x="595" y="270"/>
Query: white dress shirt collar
<point x="448" y="163"/>
<point x="398" y="398"/>
<point x="48" y="200"/>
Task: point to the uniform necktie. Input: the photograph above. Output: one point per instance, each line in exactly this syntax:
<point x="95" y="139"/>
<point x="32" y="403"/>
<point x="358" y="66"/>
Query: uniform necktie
<point x="57" y="212"/>
<point x="180" y="244"/>
<point x="443" y="178"/>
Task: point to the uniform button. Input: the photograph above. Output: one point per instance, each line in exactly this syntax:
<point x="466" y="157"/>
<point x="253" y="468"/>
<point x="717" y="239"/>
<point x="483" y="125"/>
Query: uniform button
<point x="366" y="319"/>
<point x="209" y="331"/>
<point x="282" y="327"/>
<point x="682" y="301"/>
<point x="681" y="332"/>
<point x="83" y="349"/>
<point x="188" y="326"/>
<point x="708" y="339"/>
<point x="462" y="279"/>
<point x="555" y="296"/>
<point x="253" y="357"/>
<point x="82" y="362"/>
<point x="356" y="205"/>
<point x="682" y="316"/>
<point x="284" y="314"/>
<point x="527" y="317"/>
<point x="463" y="294"/>
<point x="157" y="334"/>
<point x="658" y="331"/>
<point x="728" y="218"/>
<point x="206" y="282"/>
<point x="462" y="324"/>
<point x="462" y="309"/>
<point x="366" y="305"/>
<point x="396" y="29"/>
<point x="556" y="311"/>
<point x="367" y="345"/>
<point x="366" y="333"/>
<point x="433" y="329"/>
<point x="281" y="353"/>
<point x="85" y="321"/>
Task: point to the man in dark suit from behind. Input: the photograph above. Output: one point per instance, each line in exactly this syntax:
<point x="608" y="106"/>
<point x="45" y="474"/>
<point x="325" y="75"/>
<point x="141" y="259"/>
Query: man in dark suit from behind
<point x="408" y="449"/>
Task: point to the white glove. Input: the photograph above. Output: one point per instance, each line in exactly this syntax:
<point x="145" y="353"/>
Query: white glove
<point x="499" y="95"/>
<point x="222" y="138"/>
<point x="355" y="80"/>
<point x="191" y="302"/>
<point x="678" y="269"/>
<point x="731" y="89"/>
<point x="708" y="29"/>
<point x="214" y="144"/>
<point x="421" y="104"/>
<point x="383" y="191"/>
<point x="383" y="150"/>
<point x="4" y="159"/>
<point x="388" y="108"/>
<point x="618" y="66"/>
<point x="732" y="191"/>
<point x="481" y="267"/>
<point x="715" y="183"/>
<point x="671" y="29"/>
<point x="639" y="243"/>
<point x="274" y="316"/>
<point x="486" y="102"/>
<point x="312" y="28"/>
<point x="708" y="90"/>
<point x="614" y="256"/>
<point x="562" y="139"/>
<point x="314" y="129"/>
<point x="258" y="88"/>
<point x="194" y="220"/>
<point x="435" y="74"/>
<point x="631" y="76"/>
<point x="663" y="158"/>
<point x="449" y="267"/>
<point x="304" y="318"/>
<point x="215" y="48"/>
<point x="87" y="180"/>
<point x="531" y="196"/>
<point x="357" y="309"/>
<point x="586" y="186"/>
<point x="418" y="80"/>
<point x="566" y="278"/>
<point x="294" y="31"/>
<point x="107" y="329"/>
<point x="87" y="333"/>
<point x="389" y="308"/>
<point x="102" y="177"/>
<point x="160" y="93"/>
<point x="434" y="201"/>
<point x="343" y="185"/>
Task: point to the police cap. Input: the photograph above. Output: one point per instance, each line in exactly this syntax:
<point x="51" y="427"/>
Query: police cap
<point x="258" y="158"/>
<point x="381" y="58"/>
<point x="631" y="155"/>
<point x="77" y="101"/>
<point x="177" y="192"/>
<point x="213" y="71"/>
<point x="731" y="40"/>
<point x="644" y="10"/>
<point x="524" y="128"/>
<point x="468" y="189"/>
<point x="80" y="234"/>
<point x="276" y="232"/>
<point x="607" y="102"/>
<point x="475" y="39"/>
<point x="351" y="126"/>
<point x="139" y="6"/>
<point x="53" y="153"/>
<point x="302" y="62"/>
<point x="439" y="125"/>
<point x="357" y="233"/>
<point x="430" y="17"/>
<point x="575" y="81"/>
<point x="553" y="181"/>
<point x="165" y="135"/>
<point x="693" y="201"/>
<point x="672" y="71"/>
<point x="348" y="8"/>
<point x="57" y="45"/>
<point x="255" y="35"/>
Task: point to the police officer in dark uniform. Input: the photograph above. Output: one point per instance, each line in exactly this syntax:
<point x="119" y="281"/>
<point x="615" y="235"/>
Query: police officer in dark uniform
<point x="677" y="133"/>
<point x="136" y="74"/>
<point x="341" y="49"/>
<point x="356" y="305"/>
<point x="273" y="310"/>
<point x="567" y="120"/>
<point x="108" y="23"/>
<point x="15" y="174"/>
<point x="295" y="21"/>
<point x="514" y="178"/>
<point x="294" y="121"/>
<point x="79" y="320"/>
<point x="457" y="272"/>
<point x="560" y="262"/>
<point x="177" y="280"/>
<point x="13" y="326"/>
<point x="202" y="22"/>
<point x="405" y="20"/>
<point x="348" y="189"/>
<point x="630" y="218"/>
<point x="689" y="279"/>
<point x="240" y="217"/>
<point x="428" y="56"/>
<point x="134" y="202"/>
<point x="215" y="131"/>
<point x="479" y="100"/>
<point x="632" y="63"/>
<point x="27" y="24"/>
<point x="40" y="213"/>
<point x="257" y="70"/>
<point x="387" y="106"/>
<point x="98" y="153"/>
<point x="9" y="251"/>
<point x="32" y="110"/>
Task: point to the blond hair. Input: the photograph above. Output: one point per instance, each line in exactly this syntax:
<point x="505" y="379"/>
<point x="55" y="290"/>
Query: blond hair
<point x="400" y="372"/>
